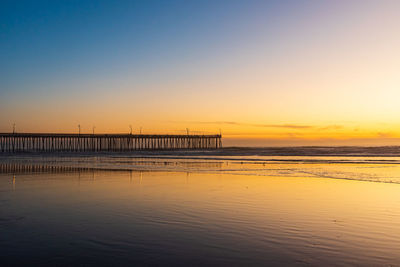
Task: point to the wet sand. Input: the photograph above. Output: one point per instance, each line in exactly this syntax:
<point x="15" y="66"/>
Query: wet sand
<point x="129" y="210"/>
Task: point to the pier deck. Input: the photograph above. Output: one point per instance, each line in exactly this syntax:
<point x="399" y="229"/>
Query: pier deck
<point x="57" y="142"/>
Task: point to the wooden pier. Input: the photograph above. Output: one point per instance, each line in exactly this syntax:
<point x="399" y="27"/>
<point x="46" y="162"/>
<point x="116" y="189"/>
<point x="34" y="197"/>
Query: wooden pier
<point x="41" y="142"/>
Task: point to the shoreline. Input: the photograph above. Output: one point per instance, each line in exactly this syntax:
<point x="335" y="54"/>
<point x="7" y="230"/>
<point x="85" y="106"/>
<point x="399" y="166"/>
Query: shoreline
<point x="311" y="151"/>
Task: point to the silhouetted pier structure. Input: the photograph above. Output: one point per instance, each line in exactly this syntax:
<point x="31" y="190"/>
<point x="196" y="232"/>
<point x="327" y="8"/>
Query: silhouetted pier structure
<point x="40" y="142"/>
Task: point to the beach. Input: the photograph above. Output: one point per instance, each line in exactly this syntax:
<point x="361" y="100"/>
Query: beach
<point x="200" y="208"/>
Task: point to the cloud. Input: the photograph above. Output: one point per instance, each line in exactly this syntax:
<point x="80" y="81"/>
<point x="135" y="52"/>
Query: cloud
<point x="384" y="135"/>
<point x="332" y="127"/>
<point x="286" y="126"/>
<point x="282" y="126"/>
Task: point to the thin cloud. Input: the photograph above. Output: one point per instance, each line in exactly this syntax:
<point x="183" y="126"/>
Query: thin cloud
<point x="287" y="126"/>
<point x="384" y="135"/>
<point x="282" y="126"/>
<point x="332" y="127"/>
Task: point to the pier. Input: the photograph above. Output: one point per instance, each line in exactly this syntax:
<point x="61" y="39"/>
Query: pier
<point x="41" y="142"/>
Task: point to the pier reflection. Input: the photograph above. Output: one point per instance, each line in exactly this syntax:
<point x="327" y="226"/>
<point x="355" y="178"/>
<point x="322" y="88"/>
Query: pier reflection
<point x="19" y="168"/>
<point x="63" y="165"/>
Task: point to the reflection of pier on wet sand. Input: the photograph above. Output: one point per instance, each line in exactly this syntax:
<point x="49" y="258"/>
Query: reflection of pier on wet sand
<point x="34" y="168"/>
<point x="31" y="142"/>
<point x="21" y="167"/>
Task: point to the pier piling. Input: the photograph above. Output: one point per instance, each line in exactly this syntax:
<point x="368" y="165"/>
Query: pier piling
<point x="39" y="142"/>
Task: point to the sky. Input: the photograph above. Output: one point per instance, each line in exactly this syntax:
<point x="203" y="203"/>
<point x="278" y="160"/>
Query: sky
<point x="263" y="73"/>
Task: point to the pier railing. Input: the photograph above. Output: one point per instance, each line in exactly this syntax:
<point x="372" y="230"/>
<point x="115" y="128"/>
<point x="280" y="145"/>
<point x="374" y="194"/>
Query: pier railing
<point x="40" y="142"/>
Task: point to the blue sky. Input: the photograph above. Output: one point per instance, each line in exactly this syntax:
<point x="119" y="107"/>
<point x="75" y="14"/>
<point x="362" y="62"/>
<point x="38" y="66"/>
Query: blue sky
<point x="47" y="40"/>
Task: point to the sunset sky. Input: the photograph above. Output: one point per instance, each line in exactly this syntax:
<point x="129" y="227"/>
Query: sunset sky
<point x="265" y="73"/>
